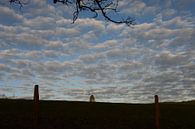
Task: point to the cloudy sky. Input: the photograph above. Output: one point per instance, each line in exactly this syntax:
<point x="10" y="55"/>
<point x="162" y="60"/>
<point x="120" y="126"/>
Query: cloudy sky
<point x="116" y="63"/>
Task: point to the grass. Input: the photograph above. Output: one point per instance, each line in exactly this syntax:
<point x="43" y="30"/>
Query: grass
<point x="19" y="114"/>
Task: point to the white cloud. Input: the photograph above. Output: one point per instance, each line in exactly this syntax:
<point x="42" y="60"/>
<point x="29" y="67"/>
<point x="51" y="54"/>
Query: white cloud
<point x="66" y="31"/>
<point x="97" y="25"/>
<point x="106" y="44"/>
<point x="8" y="14"/>
<point x="179" y="22"/>
<point x="113" y="62"/>
<point x="137" y="7"/>
<point x="40" y="21"/>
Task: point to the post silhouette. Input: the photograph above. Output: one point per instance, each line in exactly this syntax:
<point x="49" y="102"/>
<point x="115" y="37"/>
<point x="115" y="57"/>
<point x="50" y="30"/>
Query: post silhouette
<point x="36" y="106"/>
<point x="92" y="98"/>
<point x="157" y="112"/>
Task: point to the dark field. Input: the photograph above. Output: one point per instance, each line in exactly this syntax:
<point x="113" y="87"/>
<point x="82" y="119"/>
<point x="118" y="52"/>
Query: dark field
<point x="18" y="114"/>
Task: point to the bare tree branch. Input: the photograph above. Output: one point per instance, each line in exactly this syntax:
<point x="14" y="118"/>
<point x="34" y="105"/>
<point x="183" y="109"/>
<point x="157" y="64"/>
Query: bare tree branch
<point x="18" y="2"/>
<point x="96" y="7"/>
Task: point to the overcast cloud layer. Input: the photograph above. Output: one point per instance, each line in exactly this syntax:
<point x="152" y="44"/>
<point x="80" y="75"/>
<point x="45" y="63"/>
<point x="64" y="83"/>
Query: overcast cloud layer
<point x="116" y="63"/>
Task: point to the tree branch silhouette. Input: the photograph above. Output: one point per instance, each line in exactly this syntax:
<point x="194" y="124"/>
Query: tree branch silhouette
<point x="18" y="2"/>
<point x="96" y="7"/>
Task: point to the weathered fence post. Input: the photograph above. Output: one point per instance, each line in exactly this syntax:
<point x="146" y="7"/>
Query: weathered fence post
<point x="92" y="98"/>
<point x="36" y="106"/>
<point x="157" y="112"/>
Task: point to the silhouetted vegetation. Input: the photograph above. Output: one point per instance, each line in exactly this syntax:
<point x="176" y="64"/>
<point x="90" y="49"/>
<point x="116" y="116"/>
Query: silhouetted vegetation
<point x="18" y="114"/>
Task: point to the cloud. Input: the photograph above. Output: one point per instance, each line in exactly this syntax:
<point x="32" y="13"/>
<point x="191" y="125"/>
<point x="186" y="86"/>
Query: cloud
<point x="168" y="59"/>
<point x="169" y="12"/>
<point x="67" y="31"/>
<point x="7" y="15"/>
<point x="137" y="7"/>
<point x="40" y="21"/>
<point x="179" y="22"/>
<point x="92" y="59"/>
<point x="114" y="62"/>
<point x="97" y="25"/>
<point x="106" y="44"/>
<point x="115" y="27"/>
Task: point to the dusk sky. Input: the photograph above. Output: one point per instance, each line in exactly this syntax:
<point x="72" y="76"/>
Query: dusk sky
<point x="116" y="63"/>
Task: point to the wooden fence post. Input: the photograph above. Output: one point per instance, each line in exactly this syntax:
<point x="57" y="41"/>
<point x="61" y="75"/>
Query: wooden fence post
<point x="157" y="112"/>
<point x="36" y="106"/>
<point x="92" y="98"/>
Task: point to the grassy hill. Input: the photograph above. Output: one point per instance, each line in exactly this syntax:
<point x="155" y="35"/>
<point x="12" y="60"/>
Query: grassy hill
<point x="19" y="114"/>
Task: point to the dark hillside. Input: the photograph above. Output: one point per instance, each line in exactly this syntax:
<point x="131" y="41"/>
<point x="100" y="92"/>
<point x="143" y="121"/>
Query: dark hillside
<point x="18" y="114"/>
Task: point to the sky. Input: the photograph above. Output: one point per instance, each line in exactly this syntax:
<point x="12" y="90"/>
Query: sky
<point x="114" y="62"/>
